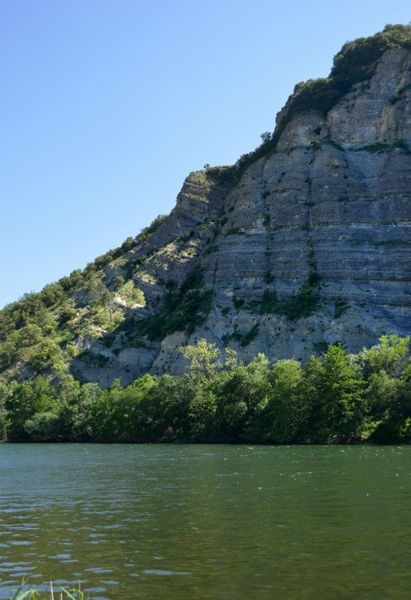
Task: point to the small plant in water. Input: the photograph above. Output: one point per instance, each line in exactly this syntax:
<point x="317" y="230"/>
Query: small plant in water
<point x="61" y="594"/>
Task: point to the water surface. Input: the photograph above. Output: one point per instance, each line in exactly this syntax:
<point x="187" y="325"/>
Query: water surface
<point x="208" y="522"/>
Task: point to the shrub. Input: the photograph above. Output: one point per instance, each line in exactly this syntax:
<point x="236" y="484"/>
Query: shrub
<point x="147" y="232"/>
<point x="340" y="307"/>
<point x="248" y="337"/>
<point x="238" y="302"/>
<point x="301" y="304"/>
<point x="223" y="175"/>
<point x="183" y="309"/>
<point x="66" y="314"/>
<point x="269" y="302"/>
<point x="131" y="294"/>
<point x="268" y="277"/>
<point x="45" y="356"/>
<point x="118" y="282"/>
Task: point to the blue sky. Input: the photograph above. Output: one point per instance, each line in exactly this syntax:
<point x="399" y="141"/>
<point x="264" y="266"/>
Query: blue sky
<point x="106" y="106"/>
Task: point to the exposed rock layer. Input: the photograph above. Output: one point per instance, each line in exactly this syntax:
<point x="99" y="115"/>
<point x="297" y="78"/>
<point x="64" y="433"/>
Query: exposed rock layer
<point x="331" y="201"/>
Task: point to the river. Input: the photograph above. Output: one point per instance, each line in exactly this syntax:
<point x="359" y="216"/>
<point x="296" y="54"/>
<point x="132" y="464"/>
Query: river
<point x="194" y="522"/>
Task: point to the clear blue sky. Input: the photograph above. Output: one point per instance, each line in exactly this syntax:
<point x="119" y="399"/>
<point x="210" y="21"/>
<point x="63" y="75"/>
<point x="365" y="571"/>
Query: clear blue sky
<point x="107" y="105"/>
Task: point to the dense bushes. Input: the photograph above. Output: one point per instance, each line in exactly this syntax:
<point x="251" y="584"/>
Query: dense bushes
<point x="180" y="309"/>
<point x="38" y="330"/>
<point x="352" y="63"/>
<point x="337" y="398"/>
<point x="148" y="231"/>
<point x="301" y="304"/>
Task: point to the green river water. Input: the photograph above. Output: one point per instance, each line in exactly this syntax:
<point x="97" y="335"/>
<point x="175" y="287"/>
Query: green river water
<point x="171" y="522"/>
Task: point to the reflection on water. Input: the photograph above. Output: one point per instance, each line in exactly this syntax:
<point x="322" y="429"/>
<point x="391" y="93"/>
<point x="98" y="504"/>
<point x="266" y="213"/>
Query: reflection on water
<point x="207" y="522"/>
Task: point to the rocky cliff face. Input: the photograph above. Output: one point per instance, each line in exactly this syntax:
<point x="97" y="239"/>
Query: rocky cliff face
<point x="309" y="246"/>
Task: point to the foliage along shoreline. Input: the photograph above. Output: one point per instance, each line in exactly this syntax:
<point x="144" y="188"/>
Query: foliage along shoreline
<point x="335" y="398"/>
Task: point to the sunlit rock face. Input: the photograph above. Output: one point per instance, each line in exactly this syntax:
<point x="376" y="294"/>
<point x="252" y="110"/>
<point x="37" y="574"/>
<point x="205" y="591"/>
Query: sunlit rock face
<point x="326" y="214"/>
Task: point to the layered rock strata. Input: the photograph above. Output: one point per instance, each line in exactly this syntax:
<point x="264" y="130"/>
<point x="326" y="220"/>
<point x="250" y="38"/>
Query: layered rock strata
<point x="328" y="209"/>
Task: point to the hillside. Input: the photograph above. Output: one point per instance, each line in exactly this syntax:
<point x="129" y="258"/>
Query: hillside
<point x="301" y="243"/>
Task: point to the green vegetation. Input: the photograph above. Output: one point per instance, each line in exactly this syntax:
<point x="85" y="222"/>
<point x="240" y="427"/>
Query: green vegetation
<point x="42" y="333"/>
<point x="269" y="302"/>
<point x="105" y="259"/>
<point x="398" y="95"/>
<point x="340" y="307"/>
<point x="328" y="140"/>
<point x="130" y="294"/>
<point x="353" y="64"/>
<point x="238" y="302"/>
<point x="393" y="244"/>
<point x="320" y="347"/>
<point x="222" y="175"/>
<point x="268" y="277"/>
<point x="182" y="309"/>
<point x="336" y="398"/>
<point x="60" y="594"/>
<point x="377" y="148"/>
<point x="380" y="147"/>
<point x="302" y="304"/>
<point x="41" y="330"/>
<point x="248" y="337"/>
<point x="147" y="232"/>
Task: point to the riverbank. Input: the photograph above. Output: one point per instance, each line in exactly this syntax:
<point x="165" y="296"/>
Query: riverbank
<point x="334" y="398"/>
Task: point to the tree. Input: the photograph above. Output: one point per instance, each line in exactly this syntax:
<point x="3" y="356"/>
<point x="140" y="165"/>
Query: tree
<point x="118" y="281"/>
<point x="203" y="357"/>
<point x="131" y="294"/>
<point x="389" y="399"/>
<point x="45" y="355"/>
<point x="28" y="398"/>
<point x="266" y="136"/>
<point x="202" y="410"/>
<point x="333" y="390"/>
<point x="6" y="391"/>
<point x="240" y="393"/>
<point x="390" y="354"/>
<point x="230" y="359"/>
<point x="283" y="417"/>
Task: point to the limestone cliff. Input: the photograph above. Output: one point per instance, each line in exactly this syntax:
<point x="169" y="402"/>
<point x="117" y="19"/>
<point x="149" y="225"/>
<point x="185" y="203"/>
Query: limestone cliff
<point x="303" y="243"/>
<point x="310" y="246"/>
